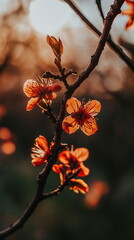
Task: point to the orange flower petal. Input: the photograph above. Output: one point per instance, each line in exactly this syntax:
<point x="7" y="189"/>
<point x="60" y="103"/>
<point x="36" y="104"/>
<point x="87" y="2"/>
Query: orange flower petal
<point x="55" y="87"/>
<point x="93" y="107"/>
<point x="64" y="157"/>
<point x="90" y="126"/>
<point x="69" y="125"/>
<point x="31" y="88"/>
<point x="72" y="105"/>
<point x="42" y="142"/>
<point x="130" y="23"/>
<point x="130" y="3"/>
<point x="50" y="96"/>
<point x="57" y="168"/>
<point x="128" y="12"/>
<point x="32" y="103"/>
<point x="81" y="154"/>
<point x="78" y="185"/>
<point x="37" y="161"/>
<point x="84" y="171"/>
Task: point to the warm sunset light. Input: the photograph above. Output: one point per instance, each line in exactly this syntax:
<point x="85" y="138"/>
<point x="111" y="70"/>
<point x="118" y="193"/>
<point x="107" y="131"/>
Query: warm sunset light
<point x="48" y="16"/>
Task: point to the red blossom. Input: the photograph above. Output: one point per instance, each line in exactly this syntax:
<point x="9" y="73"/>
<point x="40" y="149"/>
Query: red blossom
<point x="82" y="116"/>
<point x="41" y="89"/>
<point x="78" y="186"/>
<point x="41" y="151"/>
<point x="71" y="161"/>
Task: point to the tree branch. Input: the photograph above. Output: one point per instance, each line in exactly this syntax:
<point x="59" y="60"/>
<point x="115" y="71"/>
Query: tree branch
<point x="42" y="177"/>
<point x="98" y="2"/>
<point x="61" y="187"/>
<point x="117" y="49"/>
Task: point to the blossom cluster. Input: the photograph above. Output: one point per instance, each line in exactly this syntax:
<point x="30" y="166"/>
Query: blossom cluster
<point x="42" y="91"/>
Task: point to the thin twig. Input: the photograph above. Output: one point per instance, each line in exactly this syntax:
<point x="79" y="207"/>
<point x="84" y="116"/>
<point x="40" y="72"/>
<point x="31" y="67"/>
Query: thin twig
<point x="42" y="177"/>
<point x="61" y="187"/>
<point x="98" y="2"/>
<point x="117" y="49"/>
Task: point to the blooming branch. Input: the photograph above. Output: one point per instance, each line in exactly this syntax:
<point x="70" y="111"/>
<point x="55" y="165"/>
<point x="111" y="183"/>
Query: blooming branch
<point x="72" y="161"/>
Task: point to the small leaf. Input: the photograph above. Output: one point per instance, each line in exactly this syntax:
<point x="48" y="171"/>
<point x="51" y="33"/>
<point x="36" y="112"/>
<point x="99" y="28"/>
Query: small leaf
<point x="56" y="45"/>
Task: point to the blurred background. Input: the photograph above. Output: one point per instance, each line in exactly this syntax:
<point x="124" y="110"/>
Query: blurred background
<point x="107" y="211"/>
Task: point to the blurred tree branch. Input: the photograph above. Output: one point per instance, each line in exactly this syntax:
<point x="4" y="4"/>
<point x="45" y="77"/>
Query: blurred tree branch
<point x="98" y="2"/>
<point x="116" y="48"/>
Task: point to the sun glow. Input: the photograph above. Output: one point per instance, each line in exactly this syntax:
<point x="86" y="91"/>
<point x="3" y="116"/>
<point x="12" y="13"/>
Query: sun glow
<point x="48" y="16"/>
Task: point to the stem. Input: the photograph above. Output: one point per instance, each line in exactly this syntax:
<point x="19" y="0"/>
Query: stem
<point x="61" y="187"/>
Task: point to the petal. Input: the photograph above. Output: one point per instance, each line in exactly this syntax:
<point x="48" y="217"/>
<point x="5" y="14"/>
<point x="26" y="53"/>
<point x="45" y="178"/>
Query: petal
<point x="42" y="143"/>
<point x="69" y="125"/>
<point x="31" y="88"/>
<point x="90" y="126"/>
<point x="130" y="23"/>
<point x="129" y="12"/>
<point x="81" y="154"/>
<point x="130" y="3"/>
<point x="78" y="185"/>
<point x="84" y="171"/>
<point x="37" y="161"/>
<point x="64" y="157"/>
<point x="57" y="168"/>
<point x="50" y="96"/>
<point x="93" y="107"/>
<point x="55" y="88"/>
<point x="32" y="103"/>
<point x="73" y="105"/>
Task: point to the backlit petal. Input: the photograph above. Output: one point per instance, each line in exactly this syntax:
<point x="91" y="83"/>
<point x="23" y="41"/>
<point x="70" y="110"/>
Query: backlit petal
<point x="32" y="103"/>
<point x="90" y="126"/>
<point x="84" y="171"/>
<point x="64" y="157"/>
<point x="129" y="12"/>
<point x="37" y="161"/>
<point x="57" y="168"/>
<point x="130" y="3"/>
<point x="55" y="87"/>
<point x="73" y="105"/>
<point x="31" y="88"/>
<point x="93" y="107"/>
<point x="130" y="23"/>
<point x="78" y="185"/>
<point x="49" y="96"/>
<point x="81" y="154"/>
<point x="42" y="142"/>
<point x="69" y="125"/>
